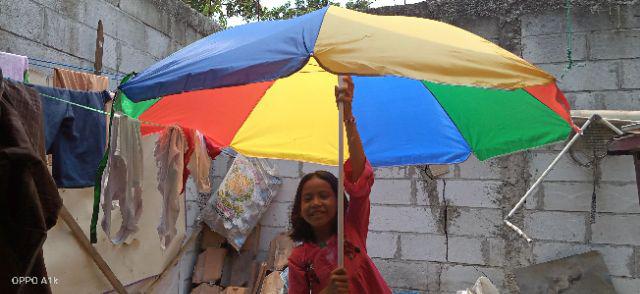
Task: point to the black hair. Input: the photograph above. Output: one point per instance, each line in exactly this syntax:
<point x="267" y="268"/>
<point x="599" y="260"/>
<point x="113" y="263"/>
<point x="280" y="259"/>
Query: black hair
<point x="301" y="230"/>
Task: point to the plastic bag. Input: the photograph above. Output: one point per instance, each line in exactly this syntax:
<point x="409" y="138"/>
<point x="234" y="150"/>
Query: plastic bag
<point x="242" y="198"/>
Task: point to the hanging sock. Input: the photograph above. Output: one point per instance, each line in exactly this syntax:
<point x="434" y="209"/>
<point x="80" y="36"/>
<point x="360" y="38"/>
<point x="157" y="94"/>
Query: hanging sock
<point x="122" y="180"/>
<point x="169" y="154"/>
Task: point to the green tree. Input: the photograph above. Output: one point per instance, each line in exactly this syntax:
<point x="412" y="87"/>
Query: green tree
<point x="251" y="10"/>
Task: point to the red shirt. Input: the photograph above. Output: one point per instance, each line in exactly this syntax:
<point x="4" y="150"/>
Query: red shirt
<point x="310" y="266"/>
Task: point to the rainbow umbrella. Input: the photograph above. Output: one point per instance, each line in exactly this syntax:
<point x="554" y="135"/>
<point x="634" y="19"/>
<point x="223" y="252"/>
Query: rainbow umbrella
<point x="425" y="92"/>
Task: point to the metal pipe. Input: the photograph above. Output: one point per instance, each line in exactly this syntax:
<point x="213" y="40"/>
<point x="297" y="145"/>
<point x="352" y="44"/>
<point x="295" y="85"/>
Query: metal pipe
<point x="544" y="174"/>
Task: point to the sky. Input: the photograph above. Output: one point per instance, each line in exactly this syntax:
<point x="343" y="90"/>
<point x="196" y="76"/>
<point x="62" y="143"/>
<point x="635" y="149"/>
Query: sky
<point x="273" y="3"/>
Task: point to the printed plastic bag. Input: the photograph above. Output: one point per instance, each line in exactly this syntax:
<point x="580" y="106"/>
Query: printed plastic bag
<point x="242" y="198"/>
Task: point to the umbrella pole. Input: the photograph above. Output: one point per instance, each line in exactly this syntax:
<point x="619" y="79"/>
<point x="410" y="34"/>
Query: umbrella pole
<point x="340" y="181"/>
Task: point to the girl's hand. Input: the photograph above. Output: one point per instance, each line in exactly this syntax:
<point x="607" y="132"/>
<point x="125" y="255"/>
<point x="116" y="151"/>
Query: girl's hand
<point x="345" y="93"/>
<point x="338" y="283"/>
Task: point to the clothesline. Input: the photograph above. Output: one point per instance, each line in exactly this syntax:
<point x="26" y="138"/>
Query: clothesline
<point x="118" y="115"/>
<point x="113" y="76"/>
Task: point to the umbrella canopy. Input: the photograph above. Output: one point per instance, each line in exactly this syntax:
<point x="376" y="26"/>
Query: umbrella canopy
<point x="425" y="92"/>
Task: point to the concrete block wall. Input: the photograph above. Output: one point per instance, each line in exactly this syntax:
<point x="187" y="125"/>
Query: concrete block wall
<point x="137" y="33"/>
<point x="439" y="235"/>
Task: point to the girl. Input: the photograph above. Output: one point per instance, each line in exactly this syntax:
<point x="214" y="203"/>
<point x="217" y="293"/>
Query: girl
<point x="313" y="263"/>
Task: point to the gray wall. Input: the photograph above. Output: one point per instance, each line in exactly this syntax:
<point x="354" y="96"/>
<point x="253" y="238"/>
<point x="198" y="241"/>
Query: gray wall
<point x="137" y="32"/>
<point x="440" y="236"/>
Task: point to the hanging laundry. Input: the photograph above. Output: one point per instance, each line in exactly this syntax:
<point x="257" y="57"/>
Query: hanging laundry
<point x="75" y="136"/>
<point x="29" y="199"/>
<point x="73" y="80"/>
<point x="243" y="196"/>
<point x="170" y="158"/>
<point x="122" y="180"/>
<point x="14" y="66"/>
<point x="200" y="164"/>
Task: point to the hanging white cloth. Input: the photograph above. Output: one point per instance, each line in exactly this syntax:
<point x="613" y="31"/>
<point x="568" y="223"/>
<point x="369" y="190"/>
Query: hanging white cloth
<point x="122" y="180"/>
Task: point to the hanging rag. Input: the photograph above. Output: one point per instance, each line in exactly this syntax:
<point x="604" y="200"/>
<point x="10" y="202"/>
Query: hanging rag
<point x="200" y="164"/>
<point x="29" y="199"/>
<point x="73" y="80"/>
<point x="75" y="136"/>
<point x="169" y="154"/>
<point x="14" y="66"/>
<point x="122" y="180"/>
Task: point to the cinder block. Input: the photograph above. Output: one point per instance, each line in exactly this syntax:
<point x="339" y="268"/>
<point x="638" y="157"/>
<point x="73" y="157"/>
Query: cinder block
<point x="406" y="274"/>
<point x="552" y="48"/>
<point x="110" y="53"/>
<point x="311" y="167"/>
<point x="542" y="24"/>
<point x="391" y="192"/>
<point x="619" y="259"/>
<point x="564" y="170"/>
<point x="615" y="100"/>
<point x="287" y="168"/>
<point x="158" y="44"/>
<point x="618" y="168"/>
<point x="287" y="191"/>
<point x="93" y="11"/>
<point x="583" y="20"/>
<point x="631" y="74"/>
<point x="382" y="244"/>
<point x="585" y="76"/>
<point x="486" y="27"/>
<point x="471" y="193"/>
<point x="402" y="219"/>
<point x="616" y="44"/>
<point x="148" y="13"/>
<point x="466" y="250"/>
<point x="277" y="215"/>
<point x="424" y="196"/>
<point x="428" y="247"/>
<point x="561" y="226"/>
<point x="132" y="33"/>
<point x="479" y="222"/>
<point x="475" y="169"/>
<point x="23" y="18"/>
<point x="69" y="36"/>
<point x="179" y="31"/>
<point x="576" y="196"/>
<point x="616" y="229"/>
<point x="458" y="277"/>
<point x="134" y="59"/>
<point x="395" y="172"/>
<point x="209" y="265"/>
<point x="267" y="234"/>
<point x="206" y="289"/>
<point x="626" y="285"/>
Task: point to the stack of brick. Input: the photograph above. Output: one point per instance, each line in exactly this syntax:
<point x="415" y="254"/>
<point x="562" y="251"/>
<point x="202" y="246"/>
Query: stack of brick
<point x="277" y="259"/>
<point x="220" y="269"/>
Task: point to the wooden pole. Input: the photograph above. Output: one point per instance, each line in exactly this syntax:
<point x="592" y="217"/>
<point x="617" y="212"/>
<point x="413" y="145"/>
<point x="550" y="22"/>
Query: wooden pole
<point x="340" y="179"/>
<point x="97" y="258"/>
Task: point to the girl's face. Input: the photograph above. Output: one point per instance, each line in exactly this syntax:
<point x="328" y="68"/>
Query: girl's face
<point x="318" y="203"/>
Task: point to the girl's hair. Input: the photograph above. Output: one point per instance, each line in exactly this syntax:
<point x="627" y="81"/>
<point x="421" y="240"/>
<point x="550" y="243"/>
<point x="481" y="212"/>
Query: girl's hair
<point x="301" y="230"/>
